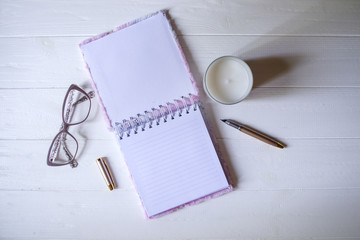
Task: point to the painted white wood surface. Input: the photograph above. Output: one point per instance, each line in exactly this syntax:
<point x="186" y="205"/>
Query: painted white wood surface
<point x="305" y="56"/>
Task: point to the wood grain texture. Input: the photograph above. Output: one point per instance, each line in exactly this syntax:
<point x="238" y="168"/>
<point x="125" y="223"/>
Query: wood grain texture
<point x="305" y="214"/>
<point x="305" y="58"/>
<point x="290" y="113"/>
<point x="304" y="164"/>
<point x="56" y="62"/>
<point x="81" y="17"/>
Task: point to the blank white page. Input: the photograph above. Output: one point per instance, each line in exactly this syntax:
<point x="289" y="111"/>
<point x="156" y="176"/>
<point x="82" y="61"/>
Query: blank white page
<point x="173" y="163"/>
<point x="137" y="68"/>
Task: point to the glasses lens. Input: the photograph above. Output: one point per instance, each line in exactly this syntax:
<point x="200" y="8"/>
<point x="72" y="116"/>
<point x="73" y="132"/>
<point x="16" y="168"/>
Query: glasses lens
<point x="63" y="149"/>
<point x="77" y="107"/>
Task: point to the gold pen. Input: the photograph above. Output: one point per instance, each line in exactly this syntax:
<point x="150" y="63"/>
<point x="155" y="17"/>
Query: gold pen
<point x="105" y="171"/>
<point x="254" y="133"/>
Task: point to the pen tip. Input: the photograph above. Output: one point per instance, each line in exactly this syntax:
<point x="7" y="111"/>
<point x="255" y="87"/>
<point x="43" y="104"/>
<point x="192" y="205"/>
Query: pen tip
<point x="224" y="120"/>
<point x="279" y="145"/>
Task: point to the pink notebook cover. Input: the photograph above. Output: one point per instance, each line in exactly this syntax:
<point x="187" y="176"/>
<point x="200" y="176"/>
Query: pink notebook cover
<point x="145" y="88"/>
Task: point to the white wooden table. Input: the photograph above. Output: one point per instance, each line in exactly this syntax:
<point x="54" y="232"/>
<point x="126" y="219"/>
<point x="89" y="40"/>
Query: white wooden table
<point x="305" y="57"/>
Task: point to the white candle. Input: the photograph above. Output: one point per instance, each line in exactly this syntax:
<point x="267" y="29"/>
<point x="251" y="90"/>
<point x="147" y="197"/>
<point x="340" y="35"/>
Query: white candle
<point x="228" y="80"/>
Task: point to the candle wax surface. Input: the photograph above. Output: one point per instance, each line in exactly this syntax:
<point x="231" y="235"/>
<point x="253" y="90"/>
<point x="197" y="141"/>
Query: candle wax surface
<point x="227" y="80"/>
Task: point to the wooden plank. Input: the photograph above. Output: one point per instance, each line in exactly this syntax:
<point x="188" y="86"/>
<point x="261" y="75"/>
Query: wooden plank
<point x="281" y="112"/>
<point x="41" y="62"/>
<point x="305" y="164"/>
<point x="44" y="18"/>
<point x="24" y="160"/>
<point x="305" y="214"/>
<point x="275" y="61"/>
<point x="292" y="113"/>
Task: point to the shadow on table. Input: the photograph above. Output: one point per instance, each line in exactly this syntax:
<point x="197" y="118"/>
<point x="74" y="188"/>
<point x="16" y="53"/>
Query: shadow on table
<point x="234" y="177"/>
<point x="265" y="69"/>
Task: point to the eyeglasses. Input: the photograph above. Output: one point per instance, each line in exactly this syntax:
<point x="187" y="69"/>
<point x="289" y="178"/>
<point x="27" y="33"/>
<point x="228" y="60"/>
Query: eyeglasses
<point x="64" y="146"/>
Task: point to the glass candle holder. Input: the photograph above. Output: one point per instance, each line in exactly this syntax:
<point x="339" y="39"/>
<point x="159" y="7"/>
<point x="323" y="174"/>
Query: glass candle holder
<point x="228" y="80"/>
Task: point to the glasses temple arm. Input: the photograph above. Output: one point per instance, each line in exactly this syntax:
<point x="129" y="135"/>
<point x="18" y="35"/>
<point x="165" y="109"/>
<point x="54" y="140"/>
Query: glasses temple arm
<point x="91" y="94"/>
<point x="68" y="114"/>
<point x="67" y="151"/>
<point x="84" y="98"/>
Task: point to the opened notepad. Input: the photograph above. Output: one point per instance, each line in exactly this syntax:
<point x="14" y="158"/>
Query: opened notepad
<point x="150" y="100"/>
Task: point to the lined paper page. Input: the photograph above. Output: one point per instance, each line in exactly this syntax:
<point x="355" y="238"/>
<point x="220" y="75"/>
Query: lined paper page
<point x="173" y="163"/>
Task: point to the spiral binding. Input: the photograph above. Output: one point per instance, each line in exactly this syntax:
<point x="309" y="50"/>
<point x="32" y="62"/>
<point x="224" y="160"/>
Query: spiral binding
<point x="164" y="112"/>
